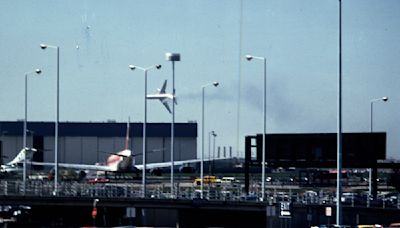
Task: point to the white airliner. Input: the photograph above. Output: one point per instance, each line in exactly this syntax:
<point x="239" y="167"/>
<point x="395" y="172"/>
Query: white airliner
<point x="163" y="96"/>
<point x="123" y="161"/>
<point x="17" y="163"/>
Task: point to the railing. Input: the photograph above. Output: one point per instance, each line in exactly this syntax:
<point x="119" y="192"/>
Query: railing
<point x="161" y="191"/>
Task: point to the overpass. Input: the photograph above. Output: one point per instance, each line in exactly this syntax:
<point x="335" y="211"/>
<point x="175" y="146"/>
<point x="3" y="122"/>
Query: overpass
<point x="76" y="211"/>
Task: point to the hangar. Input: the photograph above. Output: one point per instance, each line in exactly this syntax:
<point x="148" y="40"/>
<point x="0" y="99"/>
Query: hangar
<point x="92" y="142"/>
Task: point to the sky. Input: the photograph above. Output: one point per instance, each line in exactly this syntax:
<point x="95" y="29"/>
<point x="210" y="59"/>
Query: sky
<point x="99" y="39"/>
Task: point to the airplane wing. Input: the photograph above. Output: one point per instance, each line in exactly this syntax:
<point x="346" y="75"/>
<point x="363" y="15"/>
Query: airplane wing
<point x="77" y="166"/>
<point x="162" y="90"/>
<point x="165" y="103"/>
<point x="111" y="169"/>
<point x="176" y="163"/>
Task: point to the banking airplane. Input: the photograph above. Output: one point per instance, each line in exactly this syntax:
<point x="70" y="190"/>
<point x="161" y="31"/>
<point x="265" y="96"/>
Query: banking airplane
<point x="163" y="96"/>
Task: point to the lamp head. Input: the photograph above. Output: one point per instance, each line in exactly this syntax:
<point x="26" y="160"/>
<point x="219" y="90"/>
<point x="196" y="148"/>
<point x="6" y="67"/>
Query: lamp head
<point x="215" y="84"/>
<point x="172" y="57"/>
<point x="158" y="66"/>
<point x="43" y="46"/>
<point x="249" y="57"/>
<point x="132" y="67"/>
<point x="385" y="98"/>
<point x="38" y="71"/>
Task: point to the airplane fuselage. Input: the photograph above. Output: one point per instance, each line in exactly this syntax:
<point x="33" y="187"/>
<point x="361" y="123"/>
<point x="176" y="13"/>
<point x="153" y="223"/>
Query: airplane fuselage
<point x="159" y="96"/>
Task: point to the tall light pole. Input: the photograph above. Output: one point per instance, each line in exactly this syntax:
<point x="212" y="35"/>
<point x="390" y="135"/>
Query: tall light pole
<point x="209" y="150"/>
<point x="372" y="130"/>
<point x="213" y="156"/>
<point x="339" y="128"/>
<point x="249" y="58"/>
<point x="215" y="84"/>
<point x="44" y="46"/>
<point x="37" y="71"/>
<point x="133" y="67"/>
<point x="173" y="57"/>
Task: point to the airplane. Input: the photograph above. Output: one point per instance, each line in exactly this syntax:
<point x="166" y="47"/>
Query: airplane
<point x="120" y="162"/>
<point x="163" y="96"/>
<point x="16" y="165"/>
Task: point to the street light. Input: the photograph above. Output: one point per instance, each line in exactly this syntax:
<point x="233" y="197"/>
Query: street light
<point x="339" y="142"/>
<point x="249" y="58"/>
<point x="133" y="67"/>
<point x="173" y="57"/>
<point x="371" y="193"/>
<point x="37" y="71"/>
<point x="215" y="84"/>
<point x="213" y="156"/>
<point x="209" y="150"/>
<point x="45" y="46"/>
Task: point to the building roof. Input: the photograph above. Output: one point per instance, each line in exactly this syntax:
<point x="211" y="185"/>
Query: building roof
<point x="107" y="129"/>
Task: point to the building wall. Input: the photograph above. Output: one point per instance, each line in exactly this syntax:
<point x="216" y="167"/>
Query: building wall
<point x="88" y="143"/>
<point x="48" y="147"/>
<point x="10" y="145"/>
<point x="89" y="150"/>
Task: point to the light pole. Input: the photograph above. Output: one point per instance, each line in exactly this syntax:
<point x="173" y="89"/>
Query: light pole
<point x="249" y="58"/>
<point x="133" y="67"/>
<point x="209" y="150"/>
<point x="173" y="57"/>
<point x="372" y="130"/>
<point x="213" y="156"/>
<point x="37" y="71"/>
<point x="339" y="128"/>
<point x="215" y="84"/>
<point x="44" y="46"/>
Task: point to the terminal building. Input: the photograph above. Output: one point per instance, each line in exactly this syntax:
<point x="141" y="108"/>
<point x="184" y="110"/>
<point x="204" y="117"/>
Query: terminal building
<point x="317" y="150"/>
<point x="89" y="143"/>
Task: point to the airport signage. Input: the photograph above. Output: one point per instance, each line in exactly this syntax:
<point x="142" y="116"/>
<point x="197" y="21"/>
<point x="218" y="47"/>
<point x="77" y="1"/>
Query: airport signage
<point x="285" y="210"/>
<point x="328" y="211"/>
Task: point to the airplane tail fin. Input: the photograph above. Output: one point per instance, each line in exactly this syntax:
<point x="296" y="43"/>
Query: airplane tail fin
<point x="21" y="155"/>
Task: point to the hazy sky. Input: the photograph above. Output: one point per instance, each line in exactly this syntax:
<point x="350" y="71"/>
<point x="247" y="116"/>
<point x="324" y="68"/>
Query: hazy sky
<point x="99" y="39"/>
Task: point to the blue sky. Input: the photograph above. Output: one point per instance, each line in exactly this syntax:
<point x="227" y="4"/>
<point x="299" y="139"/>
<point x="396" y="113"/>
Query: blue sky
<point x="99" y="39"/>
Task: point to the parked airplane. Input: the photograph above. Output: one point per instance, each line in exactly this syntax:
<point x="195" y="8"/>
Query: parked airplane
<point x="16" y="165"/>
<point x="163" y="96"/>
<point x="120" y="162"/>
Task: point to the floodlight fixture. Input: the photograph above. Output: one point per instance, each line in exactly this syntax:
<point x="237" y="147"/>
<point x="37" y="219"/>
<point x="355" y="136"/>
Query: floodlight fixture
<point x="172" y="57"/>
<point x="249" y="57"/>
